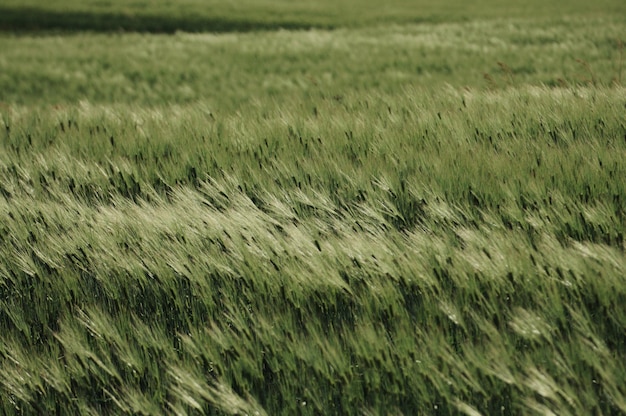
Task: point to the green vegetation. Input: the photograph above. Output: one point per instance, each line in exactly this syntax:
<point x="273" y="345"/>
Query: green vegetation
<point x="376" y="219"/>
<point x="224" y="71"/>
<point x="245" y="15"/>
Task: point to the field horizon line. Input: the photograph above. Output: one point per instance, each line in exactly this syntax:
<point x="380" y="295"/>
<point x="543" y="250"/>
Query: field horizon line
<point x="32" y="20"/>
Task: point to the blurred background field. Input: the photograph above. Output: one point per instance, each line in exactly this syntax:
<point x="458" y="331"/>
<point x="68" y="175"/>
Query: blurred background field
<point x="272" y="207"/>
<point x="226" y="70"/>
<point x="245" y="15"/>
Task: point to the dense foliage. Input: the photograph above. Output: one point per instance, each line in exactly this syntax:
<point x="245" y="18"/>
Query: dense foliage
<point x="400" y="219"/>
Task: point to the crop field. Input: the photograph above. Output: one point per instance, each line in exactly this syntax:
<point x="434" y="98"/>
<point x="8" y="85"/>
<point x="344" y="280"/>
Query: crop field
<point x="312" y="208"/>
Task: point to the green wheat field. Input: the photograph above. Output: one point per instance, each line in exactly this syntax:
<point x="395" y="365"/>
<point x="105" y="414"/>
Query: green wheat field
<point x="341" y="207"/>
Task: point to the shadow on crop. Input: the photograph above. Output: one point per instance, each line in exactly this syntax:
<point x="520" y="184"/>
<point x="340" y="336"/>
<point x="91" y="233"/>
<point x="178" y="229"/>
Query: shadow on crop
<point x="29" y="19"/>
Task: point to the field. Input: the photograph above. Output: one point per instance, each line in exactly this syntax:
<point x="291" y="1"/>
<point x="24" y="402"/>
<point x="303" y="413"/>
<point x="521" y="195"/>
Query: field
<point x="284" y="207"/>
